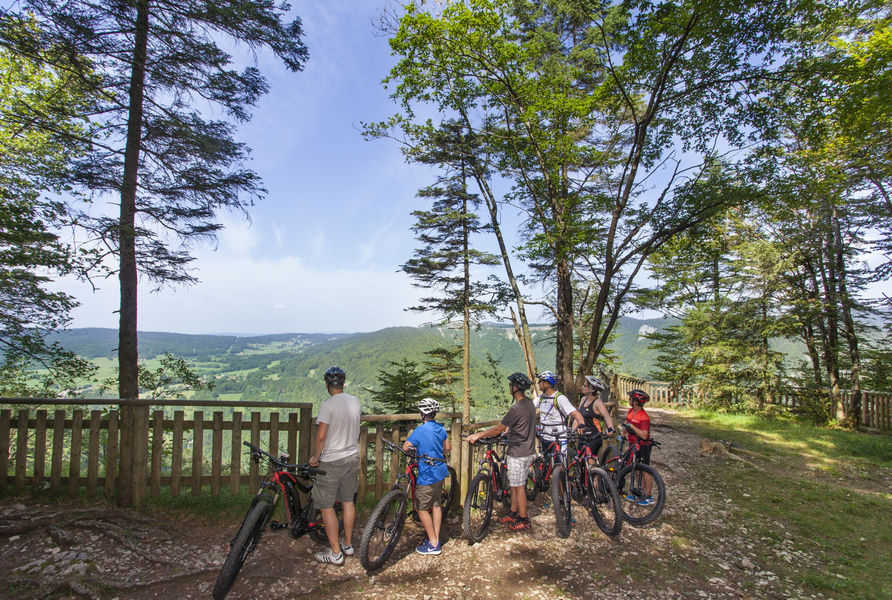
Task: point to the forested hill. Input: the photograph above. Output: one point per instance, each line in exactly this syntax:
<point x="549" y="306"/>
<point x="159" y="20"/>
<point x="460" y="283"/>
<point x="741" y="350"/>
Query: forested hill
<point x="288" y="365"/>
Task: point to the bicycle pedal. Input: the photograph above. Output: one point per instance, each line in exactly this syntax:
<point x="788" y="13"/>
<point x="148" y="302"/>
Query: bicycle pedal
<point x="275" y="524"/>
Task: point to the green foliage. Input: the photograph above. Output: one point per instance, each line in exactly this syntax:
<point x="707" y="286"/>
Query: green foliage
<point x="173" y="376"/>
<point x="402" y="385"/>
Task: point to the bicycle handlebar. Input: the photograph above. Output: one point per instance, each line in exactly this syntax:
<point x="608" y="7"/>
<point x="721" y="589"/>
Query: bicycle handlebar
<point x="303" y="469"/>
<point x="428" y="459"/>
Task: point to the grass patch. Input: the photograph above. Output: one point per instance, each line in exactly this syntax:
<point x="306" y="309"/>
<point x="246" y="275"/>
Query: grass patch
<point x="837" y="535"/>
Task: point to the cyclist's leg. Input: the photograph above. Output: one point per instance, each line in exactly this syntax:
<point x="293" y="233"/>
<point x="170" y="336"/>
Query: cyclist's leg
<point x="347" y="488"/>
<point x="517" y="477"/>
<point x="429" y="511"/>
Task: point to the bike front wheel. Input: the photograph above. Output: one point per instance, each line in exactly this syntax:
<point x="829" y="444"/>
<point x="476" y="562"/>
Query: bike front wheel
<point x="560" y="498"/>
<point x="604" y="502"/>
<point x="450" y="489"/>
<point x="478" y="508"/>
<point x="639" y="505"/>
<point x="243" y="544"/>
<point x="531" y="487"/>
<point x="382" y="532"/>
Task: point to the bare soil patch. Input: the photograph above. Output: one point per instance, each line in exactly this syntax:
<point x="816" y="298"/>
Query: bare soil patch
<point x="697" y="549"/>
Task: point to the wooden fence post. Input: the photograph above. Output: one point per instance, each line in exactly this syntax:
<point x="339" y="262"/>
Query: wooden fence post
<point x="157" y="452"/>
<point x="216" y="453"/>
<point x="235" y="459"/>
<point x="21" y="454"/>
<point x="176" y="465"/>
<point x="5" y="419"/>
<point x="74" y="465"/>
<point x="40" y="449"/>
<point x="111" y="453"/>
<point x="197" y="450"/>
<point x="58" y="444"/>
<point x="363" y="463"/>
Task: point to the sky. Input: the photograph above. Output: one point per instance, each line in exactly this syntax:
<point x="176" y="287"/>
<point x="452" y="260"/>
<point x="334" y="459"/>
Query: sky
<point x="321" y="252"/>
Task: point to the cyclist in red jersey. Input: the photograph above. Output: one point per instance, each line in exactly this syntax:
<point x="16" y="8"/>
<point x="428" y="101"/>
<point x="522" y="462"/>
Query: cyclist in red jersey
<point x="637" y="425"/>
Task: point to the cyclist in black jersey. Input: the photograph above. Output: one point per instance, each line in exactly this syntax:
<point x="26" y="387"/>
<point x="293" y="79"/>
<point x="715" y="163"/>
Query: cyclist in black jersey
<point x="591" y="408"/>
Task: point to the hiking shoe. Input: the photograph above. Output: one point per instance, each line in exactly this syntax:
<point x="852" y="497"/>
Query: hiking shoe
<point x="508" y="519"/>
<point x="647" y="501"/>
<point x="630" y="498"/>
<point x="330" y="558"/>
<point x="520" y="524"/>
<point x="347" y="550"/>
<point x="428" y="548"/>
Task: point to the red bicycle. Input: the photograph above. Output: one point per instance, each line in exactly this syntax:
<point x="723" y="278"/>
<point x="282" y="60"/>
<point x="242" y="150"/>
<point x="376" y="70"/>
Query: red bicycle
<point x="640" y="486"/>
<point x="385" y="525"/>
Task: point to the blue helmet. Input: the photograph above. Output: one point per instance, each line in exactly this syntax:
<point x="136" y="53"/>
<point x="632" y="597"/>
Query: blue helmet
<point x="548" y="376"/>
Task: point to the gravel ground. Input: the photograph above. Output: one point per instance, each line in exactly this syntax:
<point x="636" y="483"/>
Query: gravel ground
<point x="697" y="549"/>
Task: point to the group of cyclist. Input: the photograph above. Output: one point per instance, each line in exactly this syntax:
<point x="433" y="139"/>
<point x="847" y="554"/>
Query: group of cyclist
<point x="336" y="450"/>
<point x="545" y="417"/>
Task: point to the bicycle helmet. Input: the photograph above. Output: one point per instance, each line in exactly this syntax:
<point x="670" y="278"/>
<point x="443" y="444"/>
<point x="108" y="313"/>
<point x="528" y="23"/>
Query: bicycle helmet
<point x="520" y="380"/>
<point x="596" y="383"/>
<point x="335" y="376"/>
<point x="548" y="376"/>
<point x="428" y="405"/>
<point x="639" y="396"/>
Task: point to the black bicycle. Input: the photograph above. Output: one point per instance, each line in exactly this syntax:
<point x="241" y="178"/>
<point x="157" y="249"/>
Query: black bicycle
<point x="490" y="484"/>
<point x="284" y="480"/>
<point x="385" y="525"/>
<point x="642" y="490"/>
<point x="589" y="485"/>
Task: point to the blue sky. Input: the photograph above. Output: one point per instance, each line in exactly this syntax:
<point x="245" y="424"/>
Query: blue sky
<point x="321" y="252"/>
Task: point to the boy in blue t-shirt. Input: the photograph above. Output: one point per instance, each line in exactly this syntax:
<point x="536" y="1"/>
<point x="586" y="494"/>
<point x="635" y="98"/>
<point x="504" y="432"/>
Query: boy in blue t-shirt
<point x="429" y="439"/>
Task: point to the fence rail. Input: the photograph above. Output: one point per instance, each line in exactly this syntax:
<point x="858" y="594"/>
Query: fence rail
<point x="876" y="407"/>
<point x="75" y="447"/>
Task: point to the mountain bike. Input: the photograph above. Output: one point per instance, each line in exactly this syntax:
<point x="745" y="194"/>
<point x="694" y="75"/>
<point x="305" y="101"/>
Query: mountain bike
<point x="539" y="477"/>
<point x="382" y="532"/>
<point x="490" y="484"/>
<point x="284" y="480"/>
<point x="630" y="476"/>
<point x="592" y="487"/>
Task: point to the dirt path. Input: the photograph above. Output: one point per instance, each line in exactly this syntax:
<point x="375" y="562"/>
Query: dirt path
<point x="697" y="549"/>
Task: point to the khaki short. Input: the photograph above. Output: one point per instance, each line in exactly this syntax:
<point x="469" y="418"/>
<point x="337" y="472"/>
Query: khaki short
<point x="339" y="483"/>
<point x="426" y="495"/>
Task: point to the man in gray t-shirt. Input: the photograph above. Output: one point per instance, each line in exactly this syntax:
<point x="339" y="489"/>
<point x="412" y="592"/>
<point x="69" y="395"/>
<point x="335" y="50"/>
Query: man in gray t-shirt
<point x="520" y="423"/>
<point x="337" y="453"/>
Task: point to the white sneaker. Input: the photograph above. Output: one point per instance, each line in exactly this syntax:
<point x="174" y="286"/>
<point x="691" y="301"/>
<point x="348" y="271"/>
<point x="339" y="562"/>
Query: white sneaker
<point x="347" y="550"/>
<point x="330" y="558"/>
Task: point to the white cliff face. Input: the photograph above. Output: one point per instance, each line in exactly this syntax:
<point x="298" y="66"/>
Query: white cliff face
<point x="644" y="331"/>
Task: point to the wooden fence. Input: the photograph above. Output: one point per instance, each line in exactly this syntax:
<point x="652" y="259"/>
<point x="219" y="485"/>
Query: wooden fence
<point x="876" y="407"/>
<point x="74" y="446"/>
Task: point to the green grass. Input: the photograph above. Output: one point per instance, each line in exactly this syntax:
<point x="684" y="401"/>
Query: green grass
<point x="814" y="495"/>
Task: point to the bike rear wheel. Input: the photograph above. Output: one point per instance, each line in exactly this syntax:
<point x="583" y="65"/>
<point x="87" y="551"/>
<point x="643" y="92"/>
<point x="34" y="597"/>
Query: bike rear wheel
<point x="243" y="544"/>
<point x="382" y="532"/>
<point x="478" y="508"/>
<point x="317" y="529"/>
<point x="450" y="489"/>
<point x="560" y="498"/>
<point x="631" y="484"/>
<point x="604" y="502"/>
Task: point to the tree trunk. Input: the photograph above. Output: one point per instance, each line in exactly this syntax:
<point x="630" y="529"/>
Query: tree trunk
<point x="564" y="342"/>
<point x="134" y="424"/>
<point x="853" y="415"/>
<point x="466" y="355"/>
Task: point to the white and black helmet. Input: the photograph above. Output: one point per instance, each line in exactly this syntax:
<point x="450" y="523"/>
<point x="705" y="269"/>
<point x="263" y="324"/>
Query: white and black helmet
<point x="428" y="405"/>
<point x="596" y="383"/>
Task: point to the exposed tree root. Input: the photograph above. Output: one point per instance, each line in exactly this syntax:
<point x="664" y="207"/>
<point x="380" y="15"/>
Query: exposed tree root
<point x="69" y="515"/>
<point x="107" y="531"/>
<point x="133" y="585"/>
<point x="46" y="589"/>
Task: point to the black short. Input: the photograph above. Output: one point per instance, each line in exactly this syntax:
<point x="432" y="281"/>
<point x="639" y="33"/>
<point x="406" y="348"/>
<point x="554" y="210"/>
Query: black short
<point x="644" y="454"/>
<point x="593" y="445"/>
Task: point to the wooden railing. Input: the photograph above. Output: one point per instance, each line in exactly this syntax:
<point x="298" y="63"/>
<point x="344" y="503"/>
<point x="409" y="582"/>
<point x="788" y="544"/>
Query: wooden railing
<point x="74" y="445"/>
<point x="876" y="407"/>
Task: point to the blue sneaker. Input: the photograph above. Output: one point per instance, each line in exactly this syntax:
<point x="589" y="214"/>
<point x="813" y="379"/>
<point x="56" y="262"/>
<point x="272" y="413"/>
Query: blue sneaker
<point x="428" y="548"/>
<point x="630" y="498"/>
<point x="647" y="501"/>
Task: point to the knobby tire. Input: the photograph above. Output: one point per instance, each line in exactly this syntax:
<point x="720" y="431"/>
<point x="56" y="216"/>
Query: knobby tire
<point x="560" y="499"/>
<point x="243" y="544"/>
<point x="604" y="502"/>
<point x="382" y="532"/>
<point x="478" y="507"/>
<point x="632" y="482"/>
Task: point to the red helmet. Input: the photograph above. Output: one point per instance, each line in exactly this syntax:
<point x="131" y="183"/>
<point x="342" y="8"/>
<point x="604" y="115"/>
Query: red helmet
<point x="639" y="396"/>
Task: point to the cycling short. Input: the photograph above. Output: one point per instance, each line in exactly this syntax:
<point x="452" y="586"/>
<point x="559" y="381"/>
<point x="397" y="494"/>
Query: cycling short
<point x="339" y="483"/>
<point x="644" y="454"/>
<point x="518" y="467"/>
<point x="593" y="445"/>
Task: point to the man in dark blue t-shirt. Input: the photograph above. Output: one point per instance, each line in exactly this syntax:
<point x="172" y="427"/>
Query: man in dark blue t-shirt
<point x="429" y="440"/>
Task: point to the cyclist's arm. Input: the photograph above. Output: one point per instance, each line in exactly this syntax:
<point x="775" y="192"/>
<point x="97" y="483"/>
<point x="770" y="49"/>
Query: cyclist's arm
<point x="407" y="445"/>
<point x="446" y="446"/>
<point x="491" y="432"/>
<point x="643" y="434"/>
<point x="321" y="434"/>
<point x="602" y="408"/>
<point x="577" y="416"/>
